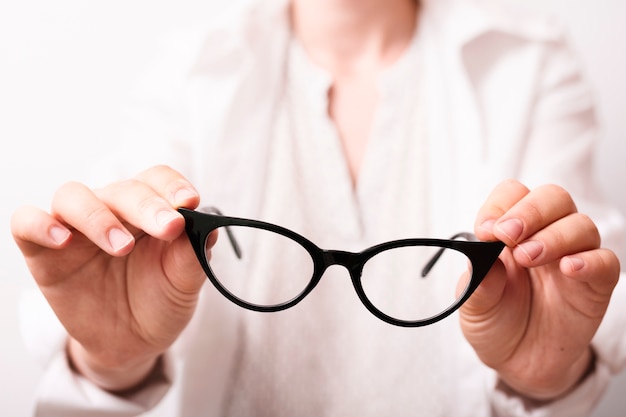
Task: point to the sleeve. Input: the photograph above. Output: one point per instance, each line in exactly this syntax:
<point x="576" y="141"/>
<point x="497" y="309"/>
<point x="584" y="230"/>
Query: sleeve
<point x="578" y="403"/>
<point x="562" y="137"/>
<point x="610" y="351"/>
<point x="560" y="149"/>
<point x="63" y="393"/>
<point x="151" y="134"/>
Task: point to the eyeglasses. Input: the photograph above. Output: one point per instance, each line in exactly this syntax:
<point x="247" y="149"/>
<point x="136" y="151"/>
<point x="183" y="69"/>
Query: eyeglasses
<point x="409" y="282"/>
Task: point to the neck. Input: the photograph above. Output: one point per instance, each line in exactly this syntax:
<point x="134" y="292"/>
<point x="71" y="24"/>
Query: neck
<point x="344" y="35"/>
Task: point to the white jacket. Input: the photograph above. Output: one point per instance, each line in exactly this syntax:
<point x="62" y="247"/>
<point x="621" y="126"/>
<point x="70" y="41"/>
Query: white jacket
<point x="506" y="98"/>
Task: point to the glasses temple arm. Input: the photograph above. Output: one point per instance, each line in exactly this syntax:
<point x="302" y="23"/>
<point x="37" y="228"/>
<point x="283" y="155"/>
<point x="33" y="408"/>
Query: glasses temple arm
<point x="229" y="232"/>
<point x="431" y="263"/>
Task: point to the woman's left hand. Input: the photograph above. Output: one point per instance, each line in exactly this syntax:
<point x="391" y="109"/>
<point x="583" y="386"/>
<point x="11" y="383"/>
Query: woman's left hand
<point x="533" y="317"/>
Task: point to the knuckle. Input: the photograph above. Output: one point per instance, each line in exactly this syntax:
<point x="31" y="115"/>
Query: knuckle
<point x="156" y="170"/>
<point x="151" y="203"/>
<point x="176" y="185"/>
<point x="110" y="191"/>
<point x="21" y="220"/>
<point x="531" y="212"/>
<point x="609" y="267"/>
<point x="512" y="182"/>
<point x="163" y="167"/>
<point x="67" y="189"/>
<point x="67" y="194"/>
<point x="559" y="195"/>
<point x="614" y="264"/>
<point x="591" y="229"/>
<point x="124" y="185"/>
<point x="511" y="188"/>
<point x="96" y="215"/>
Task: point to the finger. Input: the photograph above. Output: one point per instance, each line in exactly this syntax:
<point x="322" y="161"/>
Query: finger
<point x="77" y="206"/>
<point x="600" y="268"/>
<point x="171" y="185"/>
<point x="182" y="267"/>
<point x="33" y="229"/>
<point x="149" y="201"/>
<point x="533" y="212"/>
<point x="597" y="271"/>
<point x="143" y="207"/>
<point x="568" y="235"/>
<point x="504" y="196"/>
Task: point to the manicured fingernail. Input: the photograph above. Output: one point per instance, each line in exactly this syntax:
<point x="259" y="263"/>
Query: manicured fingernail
<point x="576" y="263"/>
<point x="59" y="234"/>
<point x="184" y="194"/>
<point x="532" y="249"/>
<point x="163" y="217"/>
<point x="118" y="239"/>
<point x="511" y="228"/>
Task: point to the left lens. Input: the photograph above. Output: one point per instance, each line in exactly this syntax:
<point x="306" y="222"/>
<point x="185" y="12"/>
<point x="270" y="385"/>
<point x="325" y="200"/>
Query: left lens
<point x="393" y="282"/>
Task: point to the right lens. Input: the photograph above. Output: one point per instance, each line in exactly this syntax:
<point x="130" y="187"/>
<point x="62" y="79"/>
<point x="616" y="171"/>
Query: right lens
<point x="273" y="269"/>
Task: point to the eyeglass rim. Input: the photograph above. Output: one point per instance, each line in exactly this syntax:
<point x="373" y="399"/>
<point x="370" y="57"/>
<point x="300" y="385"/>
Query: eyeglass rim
<point x="199" y="225"/>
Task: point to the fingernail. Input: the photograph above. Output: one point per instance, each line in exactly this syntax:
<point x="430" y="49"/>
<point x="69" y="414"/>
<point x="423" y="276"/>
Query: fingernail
<point x="59" y="234"/>
<point x="511" y="228"/>
<point x="487" y="225"/>
<point x="119" y="239"/>
<point x="532" y="249"/>
<point x="163" y="217"/>
<point x="576" y="263"/>
<point x="184" y="194"/>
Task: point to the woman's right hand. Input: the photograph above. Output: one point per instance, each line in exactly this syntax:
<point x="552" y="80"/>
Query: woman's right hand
<point x="117" y="269"/>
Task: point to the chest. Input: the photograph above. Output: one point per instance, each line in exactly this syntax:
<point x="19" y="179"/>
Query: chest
<point x="352" y="103"/>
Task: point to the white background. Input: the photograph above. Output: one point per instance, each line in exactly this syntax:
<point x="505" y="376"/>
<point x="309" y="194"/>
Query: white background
<point x="65" y="67"/>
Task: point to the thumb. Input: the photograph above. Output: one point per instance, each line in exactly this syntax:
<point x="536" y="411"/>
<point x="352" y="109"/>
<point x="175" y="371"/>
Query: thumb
<point x="499" y="306"/>
<point x="489" y="293"/>
<point x="182" y="267"/>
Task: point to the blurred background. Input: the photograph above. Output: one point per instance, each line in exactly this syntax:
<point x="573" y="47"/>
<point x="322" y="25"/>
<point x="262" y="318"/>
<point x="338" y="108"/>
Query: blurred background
<point x="66" y="66"/>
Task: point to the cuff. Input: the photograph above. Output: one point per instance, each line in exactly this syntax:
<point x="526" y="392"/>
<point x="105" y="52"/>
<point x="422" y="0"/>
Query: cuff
<point x="65" y="393"/>
<point x="579" y="402"/>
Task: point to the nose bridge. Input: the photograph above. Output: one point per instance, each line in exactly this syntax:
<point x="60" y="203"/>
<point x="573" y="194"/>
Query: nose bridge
<point x="348" y="260"/>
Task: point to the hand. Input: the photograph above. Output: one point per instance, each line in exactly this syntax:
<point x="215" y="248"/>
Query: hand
<point x="533" y="317"/>
<point x="117" y="269"/>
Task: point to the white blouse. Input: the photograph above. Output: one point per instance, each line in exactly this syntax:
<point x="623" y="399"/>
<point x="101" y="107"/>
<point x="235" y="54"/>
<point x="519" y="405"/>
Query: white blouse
<point x="244" y="114"/>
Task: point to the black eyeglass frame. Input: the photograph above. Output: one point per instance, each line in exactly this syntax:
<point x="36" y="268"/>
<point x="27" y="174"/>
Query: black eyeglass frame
<point x="482" y="255"/>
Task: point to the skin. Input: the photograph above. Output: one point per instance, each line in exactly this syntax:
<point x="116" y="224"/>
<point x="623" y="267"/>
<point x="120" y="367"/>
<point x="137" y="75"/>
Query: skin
<point x="360" y="41"/>
<point x="535" y="314"/>
<point x="116" y="267"/>
<point x="118" y="270"/>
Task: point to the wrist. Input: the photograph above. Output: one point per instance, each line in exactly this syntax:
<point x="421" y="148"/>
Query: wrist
<point x="550" y="387"/>
<point x="119" y="379"/>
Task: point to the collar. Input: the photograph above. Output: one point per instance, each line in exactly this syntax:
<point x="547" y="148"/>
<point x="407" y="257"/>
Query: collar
<point x="256" y="28"/>
<point x="464" y="21"/>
